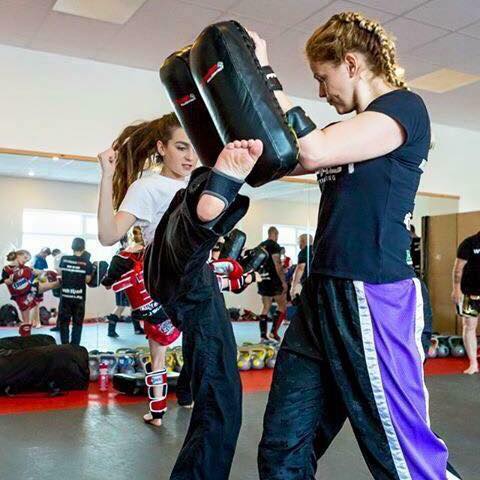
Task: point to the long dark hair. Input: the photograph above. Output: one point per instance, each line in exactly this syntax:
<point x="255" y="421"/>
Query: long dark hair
<point x="136" y="146"/>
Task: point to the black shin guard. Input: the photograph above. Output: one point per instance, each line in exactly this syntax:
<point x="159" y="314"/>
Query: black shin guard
<point x="263" y="322"/>
<point x="112" y="325"/>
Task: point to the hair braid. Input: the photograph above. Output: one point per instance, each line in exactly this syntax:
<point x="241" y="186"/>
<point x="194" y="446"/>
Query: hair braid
<point x="352" y="31"/>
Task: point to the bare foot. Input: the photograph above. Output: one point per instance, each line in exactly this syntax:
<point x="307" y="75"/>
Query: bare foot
<point x="238" y="158"/>
<point x="156" y="422"/>
<point x="471" y="370"/>
<point x="275" y="337"/>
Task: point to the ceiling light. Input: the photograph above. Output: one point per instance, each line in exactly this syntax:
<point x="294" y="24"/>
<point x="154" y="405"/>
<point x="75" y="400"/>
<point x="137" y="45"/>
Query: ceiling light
<point x="443" y="80"/>
<point x="113" y="11"/>
<point x="31" y="173"/>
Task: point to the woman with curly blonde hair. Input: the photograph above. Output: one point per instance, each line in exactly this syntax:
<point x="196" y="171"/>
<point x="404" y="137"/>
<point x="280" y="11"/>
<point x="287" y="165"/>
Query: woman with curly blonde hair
<point x="354" y="351"/>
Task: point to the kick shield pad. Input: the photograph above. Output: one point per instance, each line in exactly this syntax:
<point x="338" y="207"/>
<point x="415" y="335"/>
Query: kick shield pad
<point x="254" y="259"/>
<point x="233" y="245"/>
<point x="241" y="105"/>
<point x="189" y="106"/>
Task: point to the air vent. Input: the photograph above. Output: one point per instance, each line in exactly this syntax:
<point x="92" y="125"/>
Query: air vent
<point x="443" y="80"/>
<point x="113" y="11"/>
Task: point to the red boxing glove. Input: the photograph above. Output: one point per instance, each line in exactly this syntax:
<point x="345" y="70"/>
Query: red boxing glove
<point x="48" y="276"/>
<point x="227" y="267"/>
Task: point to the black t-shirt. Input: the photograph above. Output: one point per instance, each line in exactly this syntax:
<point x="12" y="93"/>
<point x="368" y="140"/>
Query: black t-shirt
<point x="366" y="207"/>
<point x="269" y="271"/>
<point x="305" y="256"/>
<point x="74" y="270"/>
<point x="469" y="250"/>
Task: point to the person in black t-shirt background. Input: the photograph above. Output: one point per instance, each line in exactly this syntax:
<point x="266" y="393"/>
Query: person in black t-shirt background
<point x="76" y="272"/>
<point x="466" y="295"/>
<point x="273" y="286"/>
<point x="304" y="263"/>
<point x="353" y="350"/>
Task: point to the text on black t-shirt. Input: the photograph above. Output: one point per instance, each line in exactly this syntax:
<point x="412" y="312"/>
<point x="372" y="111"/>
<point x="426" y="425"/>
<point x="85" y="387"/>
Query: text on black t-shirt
<point x="74" y="271"/>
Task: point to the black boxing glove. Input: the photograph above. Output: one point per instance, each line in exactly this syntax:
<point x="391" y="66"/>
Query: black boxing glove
<point x="118" y="266"/>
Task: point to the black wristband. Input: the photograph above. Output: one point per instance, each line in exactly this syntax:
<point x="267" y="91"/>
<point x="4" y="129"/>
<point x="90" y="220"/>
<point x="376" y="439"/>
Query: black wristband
<point x="300" y="122"/>
<point x="272" y="81"/>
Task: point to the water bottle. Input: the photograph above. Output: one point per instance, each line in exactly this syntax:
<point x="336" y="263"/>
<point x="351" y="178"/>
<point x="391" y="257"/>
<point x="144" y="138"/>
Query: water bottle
<point x="25" y="330"/>
<point x="103" y="376"/>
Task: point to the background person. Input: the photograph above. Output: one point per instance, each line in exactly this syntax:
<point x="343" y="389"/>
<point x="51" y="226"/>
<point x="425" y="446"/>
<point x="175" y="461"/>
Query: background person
<point x="75" y="271"/>
<point x="466" y="295"/>
<point x="273" y="286"/>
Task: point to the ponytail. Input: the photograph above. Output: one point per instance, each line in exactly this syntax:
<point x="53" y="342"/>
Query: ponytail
<point x="136" y="149"/>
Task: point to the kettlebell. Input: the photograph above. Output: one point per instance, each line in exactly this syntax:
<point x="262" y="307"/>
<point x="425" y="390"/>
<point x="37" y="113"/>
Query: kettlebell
<point x="433" y="348"/>
<point x="456" y="346"/>
<point x="443" y="348"/>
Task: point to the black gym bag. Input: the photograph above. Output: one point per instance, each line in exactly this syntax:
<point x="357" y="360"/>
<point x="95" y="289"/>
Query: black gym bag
<point x="8" y="316"/>
<point x="47" y="368"/>
<point x="20" y="343"/>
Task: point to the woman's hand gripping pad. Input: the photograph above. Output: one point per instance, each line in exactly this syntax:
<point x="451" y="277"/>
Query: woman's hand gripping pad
<point x="241" y="105"/>
<point x="189" y="107"/>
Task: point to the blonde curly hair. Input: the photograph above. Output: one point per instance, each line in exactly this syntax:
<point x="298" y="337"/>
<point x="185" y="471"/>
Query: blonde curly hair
<point x="353" y="32"/>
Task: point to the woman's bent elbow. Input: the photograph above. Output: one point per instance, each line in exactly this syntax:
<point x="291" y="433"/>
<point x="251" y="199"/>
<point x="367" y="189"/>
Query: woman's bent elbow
<point x="106" y="241"/>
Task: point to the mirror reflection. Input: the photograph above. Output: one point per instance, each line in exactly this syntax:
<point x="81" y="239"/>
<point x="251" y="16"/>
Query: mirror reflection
<point x="53" y="201"/>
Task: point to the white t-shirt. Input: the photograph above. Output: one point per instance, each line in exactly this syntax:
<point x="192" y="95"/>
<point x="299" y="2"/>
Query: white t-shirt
<point x="148" y="199"/>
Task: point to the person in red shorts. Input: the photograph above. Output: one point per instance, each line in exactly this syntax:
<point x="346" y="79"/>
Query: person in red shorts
<point x="19" y="279"/>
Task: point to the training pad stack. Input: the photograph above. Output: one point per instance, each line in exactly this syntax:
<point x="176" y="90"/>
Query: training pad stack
<point x="220" y="75"/>
<point x="191" y="111"/>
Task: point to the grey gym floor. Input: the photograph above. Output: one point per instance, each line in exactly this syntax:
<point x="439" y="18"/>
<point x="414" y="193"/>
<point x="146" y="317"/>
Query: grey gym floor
<point x="112" y="442"/>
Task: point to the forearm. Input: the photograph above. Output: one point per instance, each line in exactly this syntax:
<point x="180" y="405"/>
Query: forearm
<point x="312" y="146"/>
<point x="300" y="170"/>
<point x="457" y="275"/>
<point x="282" y="98"/>
<point x="280" y="272"/>
<point x="108" y="233"/>
<point x="295" y="281"/>
<point x="297" y="275"/>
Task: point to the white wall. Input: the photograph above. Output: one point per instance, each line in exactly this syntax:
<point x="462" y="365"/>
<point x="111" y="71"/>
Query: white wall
<point x="69" y="105"/>
<point x="16" y="194"/>
<point x="454" y="166"/>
